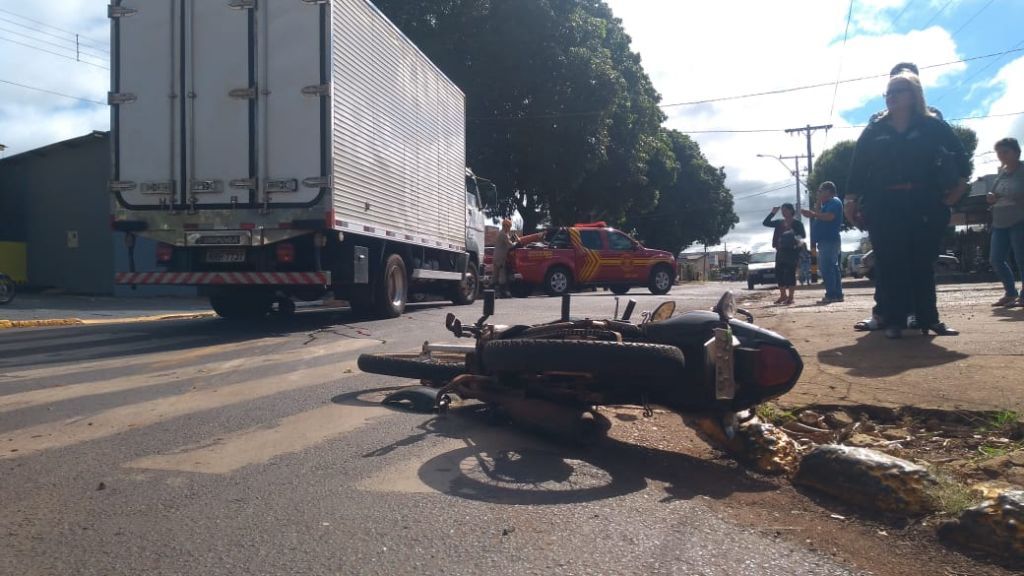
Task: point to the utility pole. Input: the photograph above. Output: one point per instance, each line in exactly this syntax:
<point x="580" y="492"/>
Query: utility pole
<point x="810" y="155"/>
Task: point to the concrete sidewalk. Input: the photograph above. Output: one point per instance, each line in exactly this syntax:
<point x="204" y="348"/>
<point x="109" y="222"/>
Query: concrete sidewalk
<point x="980" y="370"/>
<point x="50" y="309"/>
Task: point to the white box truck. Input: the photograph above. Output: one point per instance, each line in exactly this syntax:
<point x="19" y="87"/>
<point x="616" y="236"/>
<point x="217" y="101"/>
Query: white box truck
<point x="285" y="149"/>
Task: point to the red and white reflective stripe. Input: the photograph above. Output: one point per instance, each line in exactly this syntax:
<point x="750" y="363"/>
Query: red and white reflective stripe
<point x="232" y="278"/>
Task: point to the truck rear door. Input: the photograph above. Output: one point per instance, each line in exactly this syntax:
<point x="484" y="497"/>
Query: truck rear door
<point x="146" y="111"/>
<point x="218" y="104"/>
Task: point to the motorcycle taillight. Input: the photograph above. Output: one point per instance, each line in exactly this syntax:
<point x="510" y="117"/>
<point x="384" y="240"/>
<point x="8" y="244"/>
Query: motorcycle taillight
<point x="776" y="366"/>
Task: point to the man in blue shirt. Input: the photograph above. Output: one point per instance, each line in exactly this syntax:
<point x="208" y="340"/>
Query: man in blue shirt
<point x="826" y="225"/>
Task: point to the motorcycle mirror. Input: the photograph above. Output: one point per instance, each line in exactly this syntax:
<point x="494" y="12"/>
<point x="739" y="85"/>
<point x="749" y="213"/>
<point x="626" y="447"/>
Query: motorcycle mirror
<point x="449" y="321"/>
<point x="628" y="312"/>
<point x="726" y="307"/>
<point x="664" y="311"/>
<point x="488" y="302"/>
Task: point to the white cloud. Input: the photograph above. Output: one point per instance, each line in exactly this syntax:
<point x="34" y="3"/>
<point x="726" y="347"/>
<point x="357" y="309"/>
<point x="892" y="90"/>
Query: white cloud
<point x="704" y="51"/>
<point x="32" y="118"/>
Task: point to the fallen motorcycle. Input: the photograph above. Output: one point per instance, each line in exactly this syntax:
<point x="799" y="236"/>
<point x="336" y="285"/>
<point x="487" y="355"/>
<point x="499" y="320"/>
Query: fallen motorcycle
<point x="551" y="376"/>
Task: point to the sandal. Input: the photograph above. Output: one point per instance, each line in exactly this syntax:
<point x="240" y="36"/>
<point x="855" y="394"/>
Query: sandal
<point x="789" y="301"/>
<point x="869" y="325"/>
<point x="1006" y="301"/>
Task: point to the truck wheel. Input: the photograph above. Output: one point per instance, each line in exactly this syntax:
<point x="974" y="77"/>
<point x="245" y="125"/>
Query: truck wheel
<point x="392" y="291"/>
<point x="750" y="284"/>
<point x="466" y="291"/>
<point x="557" y="281"/>
<point x="661" y="280"/>
<point x="626" y="359"/>
<point x="620" y="290"/>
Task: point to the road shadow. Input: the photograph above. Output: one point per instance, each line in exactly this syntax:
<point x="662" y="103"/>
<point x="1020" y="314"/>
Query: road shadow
<point x="24" y="347"/>
<point x="499" y="463"/>
<point x="1009" y="314"/>
<point x="875" y="356"/>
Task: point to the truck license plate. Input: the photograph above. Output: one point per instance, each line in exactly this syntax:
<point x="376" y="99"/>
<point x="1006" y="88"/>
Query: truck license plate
<point x="225" y="255"/>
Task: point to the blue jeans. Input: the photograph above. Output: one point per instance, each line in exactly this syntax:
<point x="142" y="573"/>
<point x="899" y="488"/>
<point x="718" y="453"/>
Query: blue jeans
<point x="828" y="265"/>
<point x="1002" y="240"/>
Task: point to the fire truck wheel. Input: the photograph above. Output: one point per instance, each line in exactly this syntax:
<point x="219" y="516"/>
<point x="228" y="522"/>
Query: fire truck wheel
<point x="620" y="290"/>
<point x="465" y="293"/>
<point x="557" y="281"/>
<point x="661" y="280"/>
<point x="601" y="358"/>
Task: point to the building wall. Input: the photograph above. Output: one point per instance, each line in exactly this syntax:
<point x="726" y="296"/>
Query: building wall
<point x="65" y="216"/>
<point x="55" y="200"/>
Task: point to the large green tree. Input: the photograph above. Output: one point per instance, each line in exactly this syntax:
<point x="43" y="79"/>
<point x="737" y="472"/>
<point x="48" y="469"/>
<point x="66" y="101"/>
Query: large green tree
<point x="560" y="113"/>
<point x="695" y="207"/>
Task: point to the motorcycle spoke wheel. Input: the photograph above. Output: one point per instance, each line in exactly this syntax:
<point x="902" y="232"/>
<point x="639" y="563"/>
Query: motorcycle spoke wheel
<point x="408" y="366"/>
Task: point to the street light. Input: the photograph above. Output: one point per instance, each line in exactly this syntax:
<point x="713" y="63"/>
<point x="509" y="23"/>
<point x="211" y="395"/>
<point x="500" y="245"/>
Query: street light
<point x="795" y="173"/>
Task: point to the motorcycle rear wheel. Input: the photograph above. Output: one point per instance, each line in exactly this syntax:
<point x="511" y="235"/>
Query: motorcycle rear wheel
<point x="622" y="359"/>
<point x="408" y="366"/>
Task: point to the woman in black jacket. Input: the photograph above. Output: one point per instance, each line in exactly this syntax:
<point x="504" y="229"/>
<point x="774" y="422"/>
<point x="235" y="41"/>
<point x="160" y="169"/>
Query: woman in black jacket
<point x="908" y="168"/>
<point x="788" y="238"/>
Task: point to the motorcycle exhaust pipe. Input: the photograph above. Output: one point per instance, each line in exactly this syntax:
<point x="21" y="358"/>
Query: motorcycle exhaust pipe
<point x="578" y="425"/>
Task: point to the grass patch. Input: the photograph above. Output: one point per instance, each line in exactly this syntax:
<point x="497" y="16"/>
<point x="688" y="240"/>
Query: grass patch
<point x="952" y="497"/>
<point x="773" y="414"/>
<point x="1003" y="419"/>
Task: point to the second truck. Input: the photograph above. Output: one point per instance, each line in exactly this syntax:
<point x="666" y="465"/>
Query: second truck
<point x="287" y="150"/>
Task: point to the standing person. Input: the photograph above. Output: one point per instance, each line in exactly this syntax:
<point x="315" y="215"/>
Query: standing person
<point x="502" y="246"/>
<point x="804" y="265"/>
<point x="908" y="167"/>
<point x="1007" y="201"/>
<point x="826" y="224"/>
<point x="787" y="240"/>
<point x="875" y="321"/>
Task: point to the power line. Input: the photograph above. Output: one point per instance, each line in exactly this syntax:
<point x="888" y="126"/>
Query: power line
<point x="892" y="22"/>
<point x="776" y="189"/>
<point x="971" y="19"/>
<point x="61" y="46"/>
<point x="554" y="116"/>
<point x="937" y="14"/>
<point x="852" y="127"/>
<point x="98" y="45"/>
<point x="54" y="92"/>
<point x="980" y="71"/>
<point x="839" y="74"/>
<point x="73" y="59"/>
<point x="846" y="81"/>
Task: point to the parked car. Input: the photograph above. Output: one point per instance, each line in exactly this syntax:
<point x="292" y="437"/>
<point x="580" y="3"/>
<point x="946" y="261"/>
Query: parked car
<point x="761" y="269"/>
<point x="853" y="265"/>
<point x="944" y="264"/>
<point x="559" y="260"/>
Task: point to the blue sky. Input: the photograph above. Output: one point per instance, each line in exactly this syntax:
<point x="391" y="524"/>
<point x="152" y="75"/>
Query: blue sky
<point x="694" y="50"/>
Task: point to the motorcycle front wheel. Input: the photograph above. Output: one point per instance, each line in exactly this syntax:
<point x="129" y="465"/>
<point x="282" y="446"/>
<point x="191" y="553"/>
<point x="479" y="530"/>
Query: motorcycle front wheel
<point x="6" y="289"/>
<point x="409" y="366"/>
<point x="589" y="356"/>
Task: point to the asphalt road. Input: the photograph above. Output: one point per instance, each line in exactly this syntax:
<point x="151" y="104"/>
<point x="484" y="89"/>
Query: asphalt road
<point x="199" y="447"/>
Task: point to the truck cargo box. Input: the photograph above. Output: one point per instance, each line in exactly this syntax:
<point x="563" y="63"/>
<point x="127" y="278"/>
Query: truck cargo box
<point x="256" y="115"/>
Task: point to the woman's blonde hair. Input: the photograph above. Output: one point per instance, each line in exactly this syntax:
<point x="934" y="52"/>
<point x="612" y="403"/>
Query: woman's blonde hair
<point x="920" y="107"/>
